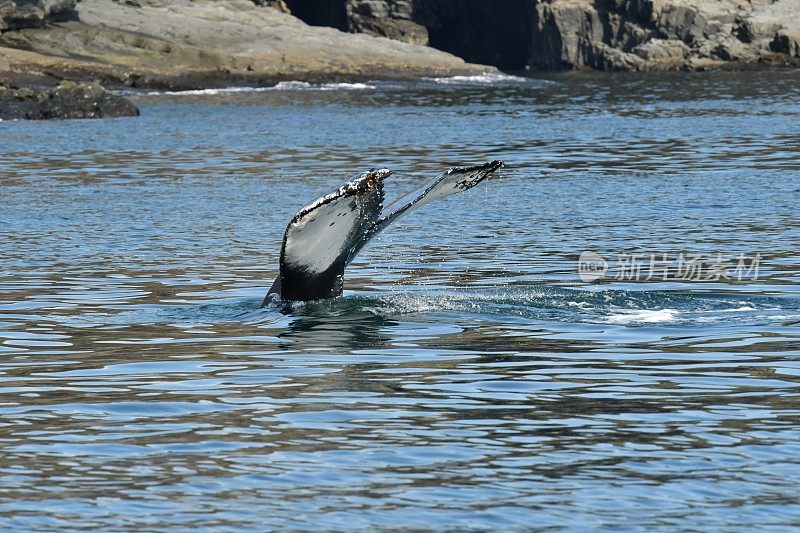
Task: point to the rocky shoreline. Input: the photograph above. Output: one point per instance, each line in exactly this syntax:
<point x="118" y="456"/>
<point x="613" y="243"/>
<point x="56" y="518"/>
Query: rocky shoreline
<point x="609" y="35"/>
<point x="179" y="44"/>
<point x="186" y="44"/>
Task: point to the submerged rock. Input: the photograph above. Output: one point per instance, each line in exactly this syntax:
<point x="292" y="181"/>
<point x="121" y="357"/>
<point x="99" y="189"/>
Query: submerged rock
<point x="68" y="100"/>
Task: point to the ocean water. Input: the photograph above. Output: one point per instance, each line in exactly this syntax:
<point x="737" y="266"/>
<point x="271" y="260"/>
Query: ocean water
<point x="604" y="336"/>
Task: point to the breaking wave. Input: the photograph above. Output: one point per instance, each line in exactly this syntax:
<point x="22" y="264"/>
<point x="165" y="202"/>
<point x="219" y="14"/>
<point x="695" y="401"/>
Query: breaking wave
<point x="487" y="78"/>
<point x="282" y="86"/>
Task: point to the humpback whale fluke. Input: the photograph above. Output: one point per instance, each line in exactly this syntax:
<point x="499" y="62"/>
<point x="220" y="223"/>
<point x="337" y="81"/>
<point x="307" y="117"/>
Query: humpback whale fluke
<point x="324" y="236"/>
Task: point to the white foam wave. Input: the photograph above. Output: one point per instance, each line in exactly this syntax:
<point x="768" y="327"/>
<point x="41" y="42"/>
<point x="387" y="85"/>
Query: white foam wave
<point x="282" y="86"/>
<point x="345" y="86"/>
<point x="643" y="316"/>
<point x="487" y="78"/>
<point x="291" y="86"/>
<point x="304" y="85"/>
<point x="223" y="90"/>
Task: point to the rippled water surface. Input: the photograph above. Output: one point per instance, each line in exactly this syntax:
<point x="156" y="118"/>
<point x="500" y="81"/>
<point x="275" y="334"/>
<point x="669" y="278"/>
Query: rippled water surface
<point x="468" y="378"/>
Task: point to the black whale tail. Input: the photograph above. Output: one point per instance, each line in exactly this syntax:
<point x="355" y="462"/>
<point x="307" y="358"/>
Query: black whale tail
<point x="324" y="236"/>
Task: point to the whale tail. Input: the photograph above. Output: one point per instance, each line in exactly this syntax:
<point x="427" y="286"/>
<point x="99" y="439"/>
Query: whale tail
<point x="325" y="235"/>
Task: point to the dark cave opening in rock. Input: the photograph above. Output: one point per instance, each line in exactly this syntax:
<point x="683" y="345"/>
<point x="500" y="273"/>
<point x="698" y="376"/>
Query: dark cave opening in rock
<point x="331" y="13"/>
<point x="480" y="31"/>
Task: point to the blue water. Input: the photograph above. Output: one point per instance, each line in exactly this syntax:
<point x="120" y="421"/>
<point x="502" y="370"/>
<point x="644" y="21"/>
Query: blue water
<point x="469" y="377"/>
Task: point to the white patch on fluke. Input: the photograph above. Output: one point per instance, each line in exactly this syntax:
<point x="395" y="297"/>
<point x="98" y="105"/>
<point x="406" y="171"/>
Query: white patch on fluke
<point x="320" y="237"/>
<point x="324" y="229"/>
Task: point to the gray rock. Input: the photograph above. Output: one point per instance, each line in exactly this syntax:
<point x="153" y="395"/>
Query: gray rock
<point x="18" y="14"/>
<point x="386" y="18"/>
<point x="69" y="100"/>
<point x="601" y="56"/>
<point x="732" y="49"/>
<point x="662" y="34"/>
<point x="563" y="33"/>
<point x="664" y="54"/>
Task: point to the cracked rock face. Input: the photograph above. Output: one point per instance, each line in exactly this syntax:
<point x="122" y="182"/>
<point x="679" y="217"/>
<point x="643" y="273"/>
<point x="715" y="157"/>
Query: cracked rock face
<point x="663" y="34"/>
<point x="577" y="34"/>
<point x="386" y="18"/>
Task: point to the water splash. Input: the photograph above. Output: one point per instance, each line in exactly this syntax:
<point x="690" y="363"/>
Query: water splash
<point x="551" y="304"/>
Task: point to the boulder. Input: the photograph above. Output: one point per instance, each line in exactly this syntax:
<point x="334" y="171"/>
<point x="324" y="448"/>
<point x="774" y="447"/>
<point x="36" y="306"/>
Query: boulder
<point x="68" y="100"/>
<point x="662" y="54"/>
<point x="18" y="14"/>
